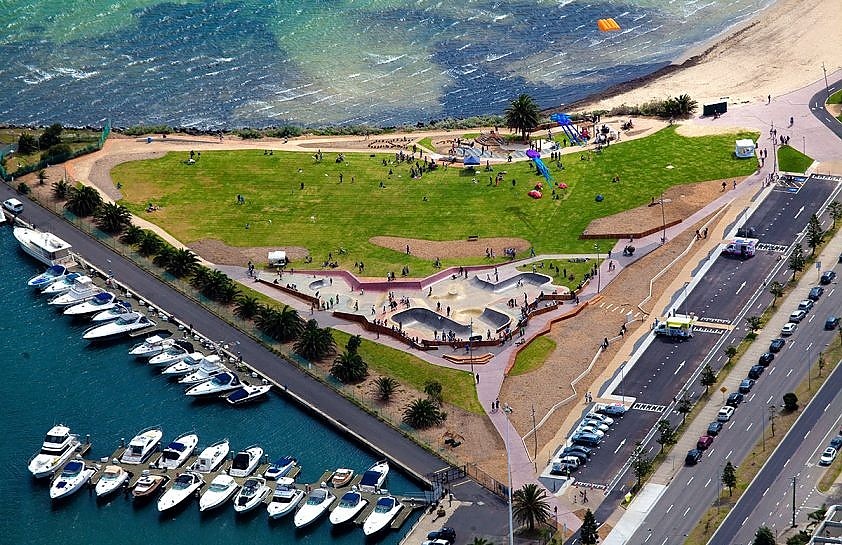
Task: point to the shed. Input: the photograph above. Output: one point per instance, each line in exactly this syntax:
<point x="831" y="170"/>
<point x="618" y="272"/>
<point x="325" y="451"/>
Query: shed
<point x="744" y="148"/>
<point x="277" y="258"/>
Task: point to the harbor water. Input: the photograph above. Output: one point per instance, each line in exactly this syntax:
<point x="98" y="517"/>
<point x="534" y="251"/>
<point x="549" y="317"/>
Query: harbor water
<point x="52" y="376"/>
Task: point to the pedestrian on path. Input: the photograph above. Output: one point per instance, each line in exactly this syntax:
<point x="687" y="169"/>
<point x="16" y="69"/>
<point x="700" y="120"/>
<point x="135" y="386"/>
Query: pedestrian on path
<point x="477" y="378"/>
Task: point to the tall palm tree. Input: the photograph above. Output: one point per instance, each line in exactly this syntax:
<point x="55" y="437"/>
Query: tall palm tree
<point x="529" y="505"/>
<point x="281" y="325"/>
<point x="42" y="176"/>
<point x="522" y="115"/>
<point x="132" y="235"/>
<point x="201" y="277"/>
<point x="164" y="255"/>
<point x="246" y="307"/>
<point x="61" y="188"/>
<point x="385" y="387"/>
<point x="150" y="244"/>
<point x="83" y="200"/>
<point x="314" y="343"/>
<point x="686" y="105"/>
<point x="349" y="367"/>
<point x="353" y="344"/>
<point x="113" y="218"/>
<point x="182" y="262"/>
<point x="423" y="413"/>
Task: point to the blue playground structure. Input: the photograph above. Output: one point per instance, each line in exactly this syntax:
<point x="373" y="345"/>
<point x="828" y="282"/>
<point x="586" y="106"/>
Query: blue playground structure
<point x="569" y="128"/>
<point x="539" y="164"/>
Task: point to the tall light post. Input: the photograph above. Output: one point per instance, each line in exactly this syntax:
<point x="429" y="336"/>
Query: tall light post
<point x="598" y="275"/>
<point x="826" y="89"/>
<point x="663" y="221"/>
<point x="803" y="144"/>
<point x="471" y="348"/>
<point x="507" y="410"/>
<point x="774" y="149"/>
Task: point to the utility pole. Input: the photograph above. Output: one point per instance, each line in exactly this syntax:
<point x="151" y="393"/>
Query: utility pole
<point x="507" y="410"/>
<point x="534" y="432"/>
<point x="663" y="221"/>
<point x="793" y="503"/>
<point x="826" y="89"/>
<point x="598" y="275"/>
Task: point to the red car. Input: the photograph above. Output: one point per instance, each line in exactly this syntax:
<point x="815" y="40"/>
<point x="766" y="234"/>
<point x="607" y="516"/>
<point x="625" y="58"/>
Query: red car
<point x="704" y="442"/>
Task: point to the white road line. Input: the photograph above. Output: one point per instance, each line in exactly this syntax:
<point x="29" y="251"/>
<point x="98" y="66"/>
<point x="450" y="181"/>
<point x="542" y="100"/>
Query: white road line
<point x="647" y="537"/>
<point x="798" y="213"/>
<point x="670" y="507"/>
<point x="770" y="399"/>
<point x="764" y="494"/>
<point x="811" y="344"/>
<point x="664" y="542"/>
<point x="710" y="452"/>
<point x="740" y="288"/>
<point x="691" y="480"/>
<point x="787" y="461"/>
<point x="685" y="512"/>
<point x="831" y="291"/>
<point x="728" y="456"/>
<point x="680" y="365"/>
<point x="744" y="522"/>
<point x="707" y="483"/>
<point x="749" y="426"/>
<point x="772" y="370"/>
<point x="789" y="372"/>
<point x="752" y="397"/>
<point x="809" y="320"/>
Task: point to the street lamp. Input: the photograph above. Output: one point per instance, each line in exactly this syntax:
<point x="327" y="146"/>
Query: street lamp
<point x="598" y="275"/>
<point x="663" y="221"/>
<point x="471" y="347"/>
<point x="826" y="89"/>
<point x="508" y="410"/>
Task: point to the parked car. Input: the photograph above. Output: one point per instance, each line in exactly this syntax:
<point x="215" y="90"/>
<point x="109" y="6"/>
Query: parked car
<point x="587" y="439"/>
<point x="595" y="424"/>
<point x="13" y="205"/>
<point x="725" y="413"/>
<point x="828" y="277"/>
<point x="832" y="322"/>
<point x="613" y="410"/>
<point x="693" y="457"/>
<point x="574" y="454"/>
<point x="806" y="304"/>
<point x="755" y="372"/>
<point x="714" y="428"/>
<point x="593" y="430"/>
<point x="836" y="442"/>
<point x="766" y="358"/>
<point x="788" y="329"/>
<point x="578" y="448"/>
<point x="445" y="533"/>
<point x="601" y="417"/>
<point x="735" y="399"/>
<point x="828" y="456"/>
<point x="797" y="316"/>
<point x="746" y="385"/>
<point x="777" y="345"/>
<point x="704" y="442"/>
<point x="815" y="293"/>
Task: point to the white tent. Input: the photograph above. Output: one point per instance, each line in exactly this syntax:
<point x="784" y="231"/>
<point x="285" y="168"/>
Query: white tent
<point x="277" y="258"/>
<point x="744" y="148"/>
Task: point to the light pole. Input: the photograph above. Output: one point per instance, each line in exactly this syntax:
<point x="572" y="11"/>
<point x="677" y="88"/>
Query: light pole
<point x="663" y="221"/>
<point x="507" y="411"/>
<point x="793" y="503"/>
<point x="826" y="89"/>
<point x="598" y="275"/>
<point x="774" y="149"/>
<point x="686" y="285"/>
<point x="804" y="144"/>
<point x="471" y="347"/>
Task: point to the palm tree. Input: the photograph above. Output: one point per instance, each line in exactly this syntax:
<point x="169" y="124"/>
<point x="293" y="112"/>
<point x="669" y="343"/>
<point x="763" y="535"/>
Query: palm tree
<point x="182" y="262"/>
<point x="422" y="414"/>
<point x="386" y="387"/>
<point x="353" y="344"/>
<point x="61" y="188"/>
<point x="433" y="391"/>
<point x="247" y="307"/>
<point x="164" y="255"/>
<point x="150" y="244"/>
<point x="282" y="326"/>
<point x="83" y="201"/>
<point x="132" y="235"/>
<point x="113" y="218"/>
<point x="201" y="277"/>
<point x="522" y="115"/>
<point x="219" y="287"/>
<point x="42" y="176"/>
<point x="349" y="367"/>
<point x="529" y="505"/>
<point x="314" y="343"/>
<point x="686" y="105"/>
<point x="480" y="541"/>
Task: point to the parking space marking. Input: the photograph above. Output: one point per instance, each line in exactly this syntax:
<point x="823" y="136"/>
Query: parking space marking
<point x="728" y="456"/>
<point x="749" y="426"/>
<point x="771" y="397"/>
<point x="707" y="483"/>
<point x="789" y="372"/>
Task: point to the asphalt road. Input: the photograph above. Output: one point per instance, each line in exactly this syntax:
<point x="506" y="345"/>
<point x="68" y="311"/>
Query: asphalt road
<point x="820" y="113"/>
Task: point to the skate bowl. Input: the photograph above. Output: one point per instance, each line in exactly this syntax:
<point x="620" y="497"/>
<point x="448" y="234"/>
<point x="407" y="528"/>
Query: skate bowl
<point x="500" y="320"/>
<point x="318" y="284"/>
<point x="423" y="317"/>
<point x="534" y="279"/>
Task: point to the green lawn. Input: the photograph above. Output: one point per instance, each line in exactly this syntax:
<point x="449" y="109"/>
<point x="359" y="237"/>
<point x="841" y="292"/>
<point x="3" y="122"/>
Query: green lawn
<point x="533" y="356"/>
<point x="427" y="143"/>
<point x="556" y="268"/>
<point x="835" y="98"/>
<point x="792" y="160"/>
<point x="458" y="387"/>
<point x="199" y="201"/>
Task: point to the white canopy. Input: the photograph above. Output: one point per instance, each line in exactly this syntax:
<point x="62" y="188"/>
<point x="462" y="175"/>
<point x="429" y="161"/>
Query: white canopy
<point x="744" y="148"/>
<point x="277" y="258"/>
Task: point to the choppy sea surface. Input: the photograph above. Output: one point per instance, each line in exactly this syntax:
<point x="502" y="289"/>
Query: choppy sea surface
<point x="51" y="376"/>
<point x="235" y="63"/>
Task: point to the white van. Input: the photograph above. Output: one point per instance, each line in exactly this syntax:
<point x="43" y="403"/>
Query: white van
<point x="13" y="205"/>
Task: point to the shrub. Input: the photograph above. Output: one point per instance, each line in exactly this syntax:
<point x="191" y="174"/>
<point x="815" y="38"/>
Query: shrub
<point x="790" y="401"/>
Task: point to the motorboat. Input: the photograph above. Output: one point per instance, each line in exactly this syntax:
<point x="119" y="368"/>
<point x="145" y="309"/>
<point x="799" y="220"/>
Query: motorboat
<point x="280" y="467"/>
<point x="219" y="384"/>
<point x="177" y="452"/>
<point x="374" y="477"/>
<point x="113" y="477"/>
<point x="341" y="477"/>
<point x="385" y="511"/>
<point x="58" y="447"/>
<point x="246" y="393"/>
<point x="118" y="310"/>
<point x="174" y="352"/>
<point x="73" y="476"/>
<point x="52" y="274"/>
<point x="221" y="488"/>
<point x="284" y="500"/>
<point x="246" y="461"/>
<point x="186" y="366"/>
<point x="104" y="300"/>
<point x="253" y="493"/>
<point x="211" y="457"/>
<point x="125" y="324"/>
<point x="83" y="290"/>
<point x="182" y="488"/>
<point x="316" y="505"/>
<point x="350" y="505"/>
<point x="142" y="446"/>
<point x="151" y="346"/>
<point x="148" y="484"/>
<point x="208" y="368"/>
<point x="64" y="285"/>
<point x="45" y="247"/>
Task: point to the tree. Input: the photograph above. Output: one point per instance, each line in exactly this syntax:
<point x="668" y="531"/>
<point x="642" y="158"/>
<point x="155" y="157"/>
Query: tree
<point x="666" y="433"/>
<point x="815" y="517"/>
<point x="801" y="538"/>
<point x="835" y="211"/>
<point x="83" y="200"/>
<point x="42" y="176"/>
<point x="422" y="414"/>
<point x="433" y="390"/>
<point x="27" y="144"/>
<point x="281" y="325"/>
<point x="729" y="477"/>
<point x="51" y="136"/>
<point x="61" y="188"/>
<point x="815" y="234"/>
<point x="164" y="255"/>
<point x="354" y="343"/>
<point x="314" y="343"/>
<point x="790" y="401"/>
<point x="641" y="465"/>
<point x="764" y="536"/>
<point x="821" y="363"/>
<point x="246" y="307"/>
<point x="480" y="541"/>
<point x="529" y="505"/>
<point x="150" y="244"/>
<point x="796" y="260"/>
<point x="522" y="115"/>
<point x="754" y="322"/>
<point x="112" y="218"/>
<point x="730" y="351"/>
<point x="685" y="405"/>
<point x="707" y="378"/>
<point x="777" y="290"/>
<point x="132" y="235"/>
<point x="349" y="367"/>
<point x="182" y="262"/>
<point x="588" y="533"/>
<point x="385" y="387"/>
<point x="686" y="105"/>
<point x="57" y="154"/>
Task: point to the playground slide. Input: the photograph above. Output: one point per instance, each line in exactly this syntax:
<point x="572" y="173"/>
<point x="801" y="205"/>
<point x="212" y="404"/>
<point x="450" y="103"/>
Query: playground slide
<point x="573" y="135"/>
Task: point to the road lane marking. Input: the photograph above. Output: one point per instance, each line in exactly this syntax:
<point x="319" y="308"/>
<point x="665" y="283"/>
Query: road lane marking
<point x="770" y="399"/>
<point x="680" y="365"/>
<point x="664" y="542"/>
<point x="752" y="397"/>
<point x="740" y="288"/>
<point x="744" y="522"/>
<point x="764" y="494"/>
<point x="787" y="461"/>
<point x="647" y="537"/>
<point x="691" y="480"/>
<point x="685" y="512"/>
<point x="670" y="507"/>
<point x="728" y="456"/>
<point x="811" y="344"/>
<point x="810" y="320"/>
<point x="795" y="217"/>
<point x="789" y="372"/>
<point x="710" y="452"/>
<point x="772" y="370"/>
<point x="749" y="426"/>
<point x="707" y="483"/>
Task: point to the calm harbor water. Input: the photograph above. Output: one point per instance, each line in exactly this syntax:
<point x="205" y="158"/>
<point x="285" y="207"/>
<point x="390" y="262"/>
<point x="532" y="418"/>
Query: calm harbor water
<point x="52" y="376"/>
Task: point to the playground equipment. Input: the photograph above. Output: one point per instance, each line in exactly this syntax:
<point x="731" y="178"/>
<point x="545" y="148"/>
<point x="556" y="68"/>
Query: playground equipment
<point x="569" y="128"/>
<point x="607" y="25"/>
<point x="539" y="164"/>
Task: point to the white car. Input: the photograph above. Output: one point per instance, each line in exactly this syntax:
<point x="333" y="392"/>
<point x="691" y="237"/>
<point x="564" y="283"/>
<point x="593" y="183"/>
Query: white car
<point x="594" y="430"/>
<point x="14" y="206"/>
<point x="595" y="424"/>
<point x="602" y="418"/>
<point x="788" y="329"/>
<point x="725" y="414"/>
<point x="828" y="456"/>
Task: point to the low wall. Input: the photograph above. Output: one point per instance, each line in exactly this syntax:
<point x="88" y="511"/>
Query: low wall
<point x="295" y="293"/>
<point x="383" y="330"/>
<point x="628" y="235"/>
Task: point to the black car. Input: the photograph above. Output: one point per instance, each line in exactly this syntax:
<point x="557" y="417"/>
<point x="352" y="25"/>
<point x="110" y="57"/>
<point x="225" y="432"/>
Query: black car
<point x="828" y="277"/>
<point x="766" y="359"/>
<point x="734" y="399"/>
<point x="578" y="448"/>
<point x="756" y="371"/>
<point x="612" y="410"/>
<point x="579" y="455"/>
<point x="832" y="322"/>
<point x="587" y="439"/>
<point x="693" y="457"/>
<point x="714" y="428"/>
<point x="836" y="442"/>
<point x="447" y="534"/>
<point x="746" y="385"/>
<point x="815" y="293"/>
<point x="777" y="345"/>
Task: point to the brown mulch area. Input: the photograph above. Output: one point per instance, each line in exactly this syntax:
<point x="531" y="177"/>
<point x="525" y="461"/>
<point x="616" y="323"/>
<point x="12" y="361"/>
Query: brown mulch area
<point x="220" y="253"/>
<point x="432" y="249"/>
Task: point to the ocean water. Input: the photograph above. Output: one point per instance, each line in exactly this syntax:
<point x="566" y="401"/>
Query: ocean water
<point x="51" y="376"/>
<point x="234" y="63"/>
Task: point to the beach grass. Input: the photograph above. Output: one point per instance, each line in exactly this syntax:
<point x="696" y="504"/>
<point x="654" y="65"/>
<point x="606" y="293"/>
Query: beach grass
<point x="835" y="98"/>
<point x="564" y="272"/>
<point x="792" y="160"/>
<point x="291" y="199"/>
<point x="427" y="143"/>
<point x="533" y="356"/>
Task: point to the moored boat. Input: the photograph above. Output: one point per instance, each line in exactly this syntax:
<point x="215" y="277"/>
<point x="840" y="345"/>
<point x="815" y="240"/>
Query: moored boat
<point x="113" y="477"/>
<point x="316" y="505"/>
<point x="118" y="310"/>
<point x="350" y="505"/>
<point x="280" y="467"/>
<point x="72" y="477"/>
<point x="252" y="494"/>
<point x="211" y="457"/>
<point x="58" y="447"/>
<point x="372" y="480"/>
<point x="148" y="484"/>
<point x="173" y="353"/>
<point x="221" y="489"/>
<point x="385" y="511"/>
<point x="83" y="290"/>
<point x="284" y="500"/>
<point x="63" y="285"/>
<point x="208" y="368"/>
<point x="125" y="324"/>
<point x="247" y="393"/>
<point x="150" y="346"/>
<point x="219" y="384"/>
<point x="53" y="274"/>
<point x="102" y="301"/>
<point x="177" y="452"/>
<point x="341" y="477"/>
<point x="186" y="366"/>
<point x="182" y="488"/>
<point x="246" y="461"/>
<point x="142" y="446"/>
<point x="45" y="247"/>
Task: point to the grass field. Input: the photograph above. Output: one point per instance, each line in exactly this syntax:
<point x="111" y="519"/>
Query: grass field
<point x="199" y="201"/>
<point x="792" y="160"/>
<point x="556" y="268"/>
<point x="533" y="356"/>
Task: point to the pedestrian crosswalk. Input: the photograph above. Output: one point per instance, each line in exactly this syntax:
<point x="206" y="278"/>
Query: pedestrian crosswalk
<point x="766" y="247"/>
<point x="702" y="329"/>
<point x="649" y="407"/>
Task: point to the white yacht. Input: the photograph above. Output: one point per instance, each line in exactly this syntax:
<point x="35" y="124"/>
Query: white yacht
<point x="177" y="452"/>
<point x="118" y="310"/>
<point x="247" y="392"/>
<point x="219" y="384"/>
<point x="316" y="505"/>
<point x="280" y="467"/>
<point x="385" y="511"/>
<point x="182" y="488"/>
<point x="173" y="352"/>
<point x="111" y="480"/>
<point x="186" y="366"/>
<point x="350" y="505"/>
<point x="285" y="499"/>
<point x="252" y="494"/>
<point x="151" y="346"/>
<point x="372" y="480"/>
<point x="104" y="300"/>
<point x="64" y="285"/>
<point x="45" y="247"/>
<point x="83" y="290"/>
<point x="148" y="484"/>
<point x="211" y="457"/>
<point x="58" y="447"/>
<point x="142" y="446"/>
<point x="125" y="324"/>
<point x="221" y="488"/>
<point x="208" y="368"/>
<point x="72" y="477"/>
<point x="52" y="274"/>
<point x="246" y="461"/>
